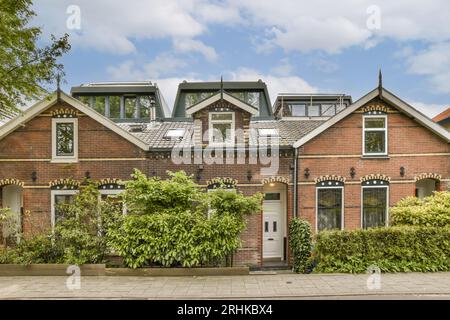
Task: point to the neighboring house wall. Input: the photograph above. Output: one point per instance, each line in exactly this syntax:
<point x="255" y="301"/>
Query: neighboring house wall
<point x="339" y="148"/>
<point x="102" y="153"/>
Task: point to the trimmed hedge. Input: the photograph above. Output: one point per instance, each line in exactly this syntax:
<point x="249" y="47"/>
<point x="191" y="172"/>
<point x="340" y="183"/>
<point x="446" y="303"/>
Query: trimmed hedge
<point x="392" y="249"/>
<point x="430" y="211"/>
<point x="300" y="244"/>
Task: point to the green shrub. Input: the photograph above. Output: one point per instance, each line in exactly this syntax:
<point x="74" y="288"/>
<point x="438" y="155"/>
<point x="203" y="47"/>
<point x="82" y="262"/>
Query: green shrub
<point x="39" y="249"/>
<point x="300" y="244"/>
<point x="167" y="222"/>
<point x="392" y="249"/>
<point x="78" y="238"/>
<point x="430" y="211"/>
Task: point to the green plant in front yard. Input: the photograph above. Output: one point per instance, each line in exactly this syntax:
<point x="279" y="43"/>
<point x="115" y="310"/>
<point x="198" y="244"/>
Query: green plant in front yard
<point x="430" y="211"/>
<point x="300" y="244"/>
<point x="78" y="236"/>
<point x="9" y="226"/>
<point x="392" y="249"/>
<point x="167" y="222"/>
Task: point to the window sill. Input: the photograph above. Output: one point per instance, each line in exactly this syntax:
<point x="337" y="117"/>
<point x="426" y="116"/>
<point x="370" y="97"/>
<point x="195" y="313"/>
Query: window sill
<point x="64" y="161"/>
<point x="375" y="157"/>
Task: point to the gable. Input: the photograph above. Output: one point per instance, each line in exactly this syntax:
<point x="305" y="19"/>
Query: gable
<point x="374" y="98"/>
<point x="219" y="97"/>
<point x="53" y="100"/>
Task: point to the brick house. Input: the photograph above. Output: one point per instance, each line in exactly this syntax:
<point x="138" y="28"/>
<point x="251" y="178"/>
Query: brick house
<point x="338" y="163"/>
<point x="443" y="119"/>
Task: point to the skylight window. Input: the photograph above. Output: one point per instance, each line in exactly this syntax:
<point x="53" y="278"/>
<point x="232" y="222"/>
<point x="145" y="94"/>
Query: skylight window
<point x="268" y="132"/>
<point x="174" y="133"/>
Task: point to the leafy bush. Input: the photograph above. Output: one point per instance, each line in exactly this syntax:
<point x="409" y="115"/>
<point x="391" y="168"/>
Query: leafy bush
<point x="39" y="249"/>
<point x="300" y="244"/>
<point x="392" y="249"/>
<point x="9" y="226"/>
<point x="171" y="228"/>
<point x="430" y="211"/>
<point x="78" y="238"/>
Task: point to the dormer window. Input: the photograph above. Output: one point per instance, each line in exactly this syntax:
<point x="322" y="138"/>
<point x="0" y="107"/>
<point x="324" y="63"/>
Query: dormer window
<point x="221" y="128"/>
<point x="375" y="135"/>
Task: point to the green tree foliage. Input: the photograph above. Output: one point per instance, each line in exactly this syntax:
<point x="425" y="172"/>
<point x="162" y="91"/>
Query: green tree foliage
<point x="167" y="223"/>
<point x="300" y="240"/>
<point x="25" y="68"/>
<point x="78" y="237"/>
<point x="393" y="249"/>
<point x="430" y="211"/>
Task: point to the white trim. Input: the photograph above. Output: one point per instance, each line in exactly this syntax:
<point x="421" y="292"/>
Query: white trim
<point x="216" y="97"/>
<point x="362" y="203"/>
<point x="54" y="193"/>
<point x="342" y="204"/>
<point x="52" y="100"/>
<point x="385" y="129"/>
<point x="211" y="122"/>
<point x="113" y="192"/>
<point x="65" y="159"/>
<point x="406" y="108"/>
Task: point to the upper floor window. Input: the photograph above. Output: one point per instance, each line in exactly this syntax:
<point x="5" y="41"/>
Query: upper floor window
<point x="298" y="109"/>
<point x="192" y="98"/>
<point x="122" y="107"/>
<point x="221" y="127"/>
<point x="64" y="139"/>
<point x="249" y="97"/>
<point x="375" y="135"/>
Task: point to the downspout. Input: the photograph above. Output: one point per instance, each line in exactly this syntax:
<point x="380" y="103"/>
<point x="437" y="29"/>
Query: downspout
<point x="294" y="179"/>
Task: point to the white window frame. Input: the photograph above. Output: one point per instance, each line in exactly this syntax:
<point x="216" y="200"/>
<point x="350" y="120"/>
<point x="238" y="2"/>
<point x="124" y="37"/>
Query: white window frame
<point x="65" y="159"/>
<point x="113" y="192"/>
<point x="54" y="193"/>
<point x="385" y="129"/>
<point x="342" y="204"/>
<point x="387" y="203"/>
<point x="211" y="130"/>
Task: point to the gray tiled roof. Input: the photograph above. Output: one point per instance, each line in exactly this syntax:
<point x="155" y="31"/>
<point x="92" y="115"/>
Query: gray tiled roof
<point x="289" y="131"/>
<point x="153" y="133"/>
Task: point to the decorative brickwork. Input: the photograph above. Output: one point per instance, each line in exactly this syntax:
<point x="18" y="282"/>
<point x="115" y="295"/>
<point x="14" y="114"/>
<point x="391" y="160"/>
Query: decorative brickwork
<point x="433" y="176"/>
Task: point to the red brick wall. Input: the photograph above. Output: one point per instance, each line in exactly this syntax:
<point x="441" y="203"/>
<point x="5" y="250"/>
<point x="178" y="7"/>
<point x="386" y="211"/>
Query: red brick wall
<point x="342" y="144"/>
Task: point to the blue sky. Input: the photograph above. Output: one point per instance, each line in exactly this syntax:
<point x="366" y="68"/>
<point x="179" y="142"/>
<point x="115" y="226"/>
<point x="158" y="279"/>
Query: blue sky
<point x="294" y="46"/>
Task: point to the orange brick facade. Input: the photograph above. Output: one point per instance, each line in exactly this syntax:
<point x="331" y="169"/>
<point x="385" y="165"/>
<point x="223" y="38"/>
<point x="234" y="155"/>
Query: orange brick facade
<point x="105" y="154"/>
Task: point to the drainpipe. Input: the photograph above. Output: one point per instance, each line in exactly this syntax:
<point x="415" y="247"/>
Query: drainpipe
<point x="294" y="179"/>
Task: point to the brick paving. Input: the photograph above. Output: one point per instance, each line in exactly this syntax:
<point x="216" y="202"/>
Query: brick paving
<point x="218" y="287"/>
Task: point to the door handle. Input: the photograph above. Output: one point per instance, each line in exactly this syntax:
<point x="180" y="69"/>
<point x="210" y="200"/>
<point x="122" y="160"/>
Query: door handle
<point x="270" y="239"/>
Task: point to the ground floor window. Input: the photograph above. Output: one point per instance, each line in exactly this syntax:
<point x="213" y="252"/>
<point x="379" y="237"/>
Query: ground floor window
<point x="59" y="198"/>
<point x="374" y="206"/>
<point x="329" y="208"/>
<point x="111" y="194"/>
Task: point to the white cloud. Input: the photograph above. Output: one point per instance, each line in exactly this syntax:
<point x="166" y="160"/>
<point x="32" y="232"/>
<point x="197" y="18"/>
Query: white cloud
<point x="190" y="45"/>
<point x="283" y="68"/>
<point x="299" y="25"/>
<point x="333" y="26"/>
<point x="429" y="109"/>
<point x="433" y="62"/>
<point x="112" y="27"/>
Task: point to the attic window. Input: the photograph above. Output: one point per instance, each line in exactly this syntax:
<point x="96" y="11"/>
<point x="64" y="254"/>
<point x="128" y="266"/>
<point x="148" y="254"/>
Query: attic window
<point x="268" y="132"/>
<point x="174" y="133"/>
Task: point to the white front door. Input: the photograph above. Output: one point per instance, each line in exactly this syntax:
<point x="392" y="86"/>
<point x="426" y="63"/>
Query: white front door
<point x="272" y="229"/>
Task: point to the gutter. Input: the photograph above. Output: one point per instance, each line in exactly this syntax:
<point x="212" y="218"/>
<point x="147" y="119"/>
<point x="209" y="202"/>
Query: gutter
<point x="294" y="179"/>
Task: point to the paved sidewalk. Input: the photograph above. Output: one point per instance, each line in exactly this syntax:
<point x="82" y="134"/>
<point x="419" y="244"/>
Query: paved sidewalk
<point x="217" y="287"/>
